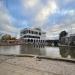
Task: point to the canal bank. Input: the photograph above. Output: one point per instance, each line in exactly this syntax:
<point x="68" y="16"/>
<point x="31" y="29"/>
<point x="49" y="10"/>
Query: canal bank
<point x="31" y="65"/>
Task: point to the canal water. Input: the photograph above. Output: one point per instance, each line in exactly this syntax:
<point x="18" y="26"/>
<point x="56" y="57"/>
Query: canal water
<point x="59" y="52"/>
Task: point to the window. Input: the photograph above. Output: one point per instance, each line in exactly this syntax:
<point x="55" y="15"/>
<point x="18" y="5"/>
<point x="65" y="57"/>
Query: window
<point x="28" y="36"/>
<point x="39" y="33"/>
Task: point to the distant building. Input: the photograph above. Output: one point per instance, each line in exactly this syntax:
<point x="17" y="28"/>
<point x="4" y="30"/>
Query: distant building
<point x="33" y="36"/>
<point x="72" y="39"/>
<point x="68" y="40"/>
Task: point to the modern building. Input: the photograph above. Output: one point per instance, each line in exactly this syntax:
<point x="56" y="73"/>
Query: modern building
<point x="33" y="36"/>
<point x="68" y="40"/>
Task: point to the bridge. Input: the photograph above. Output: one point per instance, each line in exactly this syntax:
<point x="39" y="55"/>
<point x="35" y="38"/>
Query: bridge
<point x="52" y="42"/>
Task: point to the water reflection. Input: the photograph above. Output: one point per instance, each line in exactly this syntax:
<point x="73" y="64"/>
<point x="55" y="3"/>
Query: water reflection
<point x="9" y="49"/>
<point x="32" y="49"/>
<point x="67" y="52"/>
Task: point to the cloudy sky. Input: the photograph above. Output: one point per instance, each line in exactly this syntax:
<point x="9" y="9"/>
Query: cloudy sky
<point x="53" y="16"/>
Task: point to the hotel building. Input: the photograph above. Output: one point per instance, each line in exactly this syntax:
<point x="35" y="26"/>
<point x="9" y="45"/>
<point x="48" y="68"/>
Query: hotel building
<point x="33" y="36"/>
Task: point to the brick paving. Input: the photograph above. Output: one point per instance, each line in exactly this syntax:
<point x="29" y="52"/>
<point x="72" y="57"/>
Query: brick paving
<point x="31" y="66"/>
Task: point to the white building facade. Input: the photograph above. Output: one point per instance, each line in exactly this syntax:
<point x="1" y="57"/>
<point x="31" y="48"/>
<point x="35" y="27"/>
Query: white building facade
<point x="33" y="36"/>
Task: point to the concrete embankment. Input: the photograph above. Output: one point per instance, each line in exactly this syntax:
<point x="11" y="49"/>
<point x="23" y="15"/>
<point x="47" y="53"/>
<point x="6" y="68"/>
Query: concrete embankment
<point x="66" y="46"/>
<point x="31" y="65"/>
<point x="10" y="44"/>
<point x="40" y="57"/>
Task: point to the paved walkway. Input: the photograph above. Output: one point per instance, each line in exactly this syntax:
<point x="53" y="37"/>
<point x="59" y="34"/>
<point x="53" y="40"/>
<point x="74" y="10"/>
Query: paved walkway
<point x="31" y="66"/>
